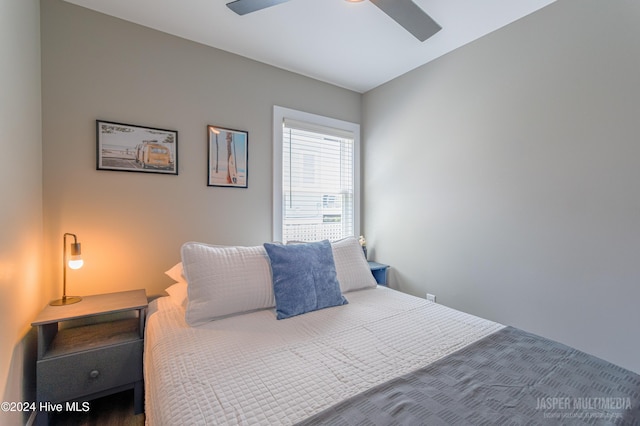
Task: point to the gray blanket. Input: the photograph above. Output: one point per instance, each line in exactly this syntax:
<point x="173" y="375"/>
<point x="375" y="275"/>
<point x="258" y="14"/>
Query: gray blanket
<point x="508" y="378"/>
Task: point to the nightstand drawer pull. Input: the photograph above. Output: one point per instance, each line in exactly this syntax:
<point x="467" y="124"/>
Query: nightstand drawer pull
<point x="94" y="374"/>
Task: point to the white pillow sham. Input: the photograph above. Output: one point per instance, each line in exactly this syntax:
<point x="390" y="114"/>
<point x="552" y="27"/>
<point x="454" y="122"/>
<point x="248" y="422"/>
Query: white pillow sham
<point x="175" y="273"/>
<point x="225" y="280"/>
<point x="178" y="293"/>
<point x="351" y="265"/>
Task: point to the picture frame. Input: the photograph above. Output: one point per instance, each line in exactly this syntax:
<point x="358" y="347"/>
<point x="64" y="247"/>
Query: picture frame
<point x="228" y="156"/>
<point x="131" y="148"/>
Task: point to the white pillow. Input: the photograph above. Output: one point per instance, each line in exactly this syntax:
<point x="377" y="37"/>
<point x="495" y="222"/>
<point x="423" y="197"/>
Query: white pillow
<point x="178" y="293"/>
<point x="224" y="281"/>
<point x="175" y="273"/>
<point x="351" y="265"/>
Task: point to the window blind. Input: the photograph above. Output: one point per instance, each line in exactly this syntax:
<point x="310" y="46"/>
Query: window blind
<point x="317" y="182"/>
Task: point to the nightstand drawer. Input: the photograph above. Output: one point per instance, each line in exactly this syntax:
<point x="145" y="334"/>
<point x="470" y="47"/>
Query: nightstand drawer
<point x="84" y="373"/>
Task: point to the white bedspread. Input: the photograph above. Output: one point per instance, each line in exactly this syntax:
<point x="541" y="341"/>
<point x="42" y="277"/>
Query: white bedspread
<point x="253" y="369"/>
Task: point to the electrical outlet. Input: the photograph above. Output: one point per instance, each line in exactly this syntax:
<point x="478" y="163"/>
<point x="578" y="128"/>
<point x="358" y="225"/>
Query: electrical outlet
<point x="431" y="297"/>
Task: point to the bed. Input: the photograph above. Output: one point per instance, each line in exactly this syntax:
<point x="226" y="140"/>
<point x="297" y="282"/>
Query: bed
<point x="215" y="353"/>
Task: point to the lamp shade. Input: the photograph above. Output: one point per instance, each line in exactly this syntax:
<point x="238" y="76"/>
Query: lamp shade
<point x="75" y="260"/>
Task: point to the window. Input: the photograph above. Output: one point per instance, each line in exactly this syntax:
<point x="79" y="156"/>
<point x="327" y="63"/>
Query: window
<point x="316" y="177"/>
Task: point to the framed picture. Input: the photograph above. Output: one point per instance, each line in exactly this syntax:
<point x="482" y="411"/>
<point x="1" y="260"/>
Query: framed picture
<point x="228" y="157"/>
<point x="130" y="148"/>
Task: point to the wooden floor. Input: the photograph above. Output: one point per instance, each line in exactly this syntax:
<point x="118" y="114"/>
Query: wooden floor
<point x="112" y="410"/>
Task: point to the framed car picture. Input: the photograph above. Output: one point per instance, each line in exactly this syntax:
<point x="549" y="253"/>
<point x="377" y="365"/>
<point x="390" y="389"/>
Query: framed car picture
<point x="130" y="148"/>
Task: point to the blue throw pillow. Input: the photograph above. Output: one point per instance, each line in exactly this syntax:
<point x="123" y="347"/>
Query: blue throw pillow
<point x="304" y="278"/>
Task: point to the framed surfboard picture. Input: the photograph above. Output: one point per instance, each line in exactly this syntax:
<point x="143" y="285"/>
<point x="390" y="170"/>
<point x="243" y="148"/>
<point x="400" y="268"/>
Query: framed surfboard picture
<point x="228" y="157"/>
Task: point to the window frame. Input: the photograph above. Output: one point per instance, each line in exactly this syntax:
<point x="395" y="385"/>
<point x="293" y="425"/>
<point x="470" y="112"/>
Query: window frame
<point x="279" y="114"/>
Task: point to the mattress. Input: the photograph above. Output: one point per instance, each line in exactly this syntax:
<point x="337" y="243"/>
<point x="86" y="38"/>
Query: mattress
<point x="253" y="369"/>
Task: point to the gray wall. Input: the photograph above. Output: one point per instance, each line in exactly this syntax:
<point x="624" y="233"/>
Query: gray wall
<point x="21" y="243"/>
<point x="504" y="177"/>
<point x="131" y="225"/>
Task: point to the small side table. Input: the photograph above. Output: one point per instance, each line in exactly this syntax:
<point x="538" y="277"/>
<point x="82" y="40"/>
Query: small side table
<point x="85" y="362"/>
<point x="379" y="271"/>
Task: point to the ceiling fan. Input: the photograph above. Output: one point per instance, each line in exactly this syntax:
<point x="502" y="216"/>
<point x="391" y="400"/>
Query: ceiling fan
<point x="404" y="12"/>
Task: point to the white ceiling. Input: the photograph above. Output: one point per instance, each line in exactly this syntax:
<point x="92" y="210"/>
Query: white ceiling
<point x="352" y="45"/>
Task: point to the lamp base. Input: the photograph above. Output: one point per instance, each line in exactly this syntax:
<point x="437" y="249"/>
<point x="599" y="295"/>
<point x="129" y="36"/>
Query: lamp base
<point x="66" y="300"/>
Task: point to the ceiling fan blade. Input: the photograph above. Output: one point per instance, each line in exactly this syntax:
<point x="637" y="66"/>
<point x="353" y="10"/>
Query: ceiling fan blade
<point x="410" y="16"/>
<point x="242" y="7"/>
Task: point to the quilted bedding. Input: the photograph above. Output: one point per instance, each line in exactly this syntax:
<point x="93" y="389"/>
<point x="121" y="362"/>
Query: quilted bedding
<point x="253" y="369"/>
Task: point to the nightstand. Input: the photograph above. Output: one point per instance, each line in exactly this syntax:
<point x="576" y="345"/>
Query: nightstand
<point x="90" y="349"/>
<point x="379" y="272"/>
